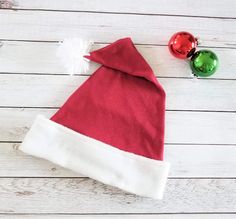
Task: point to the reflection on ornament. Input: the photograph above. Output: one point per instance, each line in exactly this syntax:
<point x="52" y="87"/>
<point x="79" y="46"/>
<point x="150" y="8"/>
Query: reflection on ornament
<point x="204" y="63"/>
<point x="183" y="45"/>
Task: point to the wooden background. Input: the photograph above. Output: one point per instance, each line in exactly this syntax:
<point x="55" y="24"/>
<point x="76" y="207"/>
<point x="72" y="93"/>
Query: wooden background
<point x="200" y="115"/>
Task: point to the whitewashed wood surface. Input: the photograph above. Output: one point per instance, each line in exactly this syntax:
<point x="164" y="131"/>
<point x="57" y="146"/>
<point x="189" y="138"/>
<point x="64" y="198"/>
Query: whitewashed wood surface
<point x="200" y="116"/>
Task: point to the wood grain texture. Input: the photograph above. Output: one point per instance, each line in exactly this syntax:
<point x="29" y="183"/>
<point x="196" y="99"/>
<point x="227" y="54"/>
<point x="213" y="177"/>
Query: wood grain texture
<point x="181" y="127"/>
<point x="186" y="161"/>
<point x="53" y="90"/>
<point x="42" y="25"/>
<point x="123" y="216"/>
<point x="41" y="58"/>
<point x="180" y="7"/>
<point x="82" y="195"/>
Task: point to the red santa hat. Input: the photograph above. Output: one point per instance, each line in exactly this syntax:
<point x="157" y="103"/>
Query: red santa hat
<point x="111" y="128"/>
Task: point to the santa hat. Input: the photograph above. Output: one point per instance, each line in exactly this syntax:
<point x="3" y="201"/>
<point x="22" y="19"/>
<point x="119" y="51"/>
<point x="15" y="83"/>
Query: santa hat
<point x="111" y="128"/>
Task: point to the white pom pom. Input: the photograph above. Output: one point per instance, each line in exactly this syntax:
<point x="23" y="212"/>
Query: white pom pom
<point x="72" y="51"/>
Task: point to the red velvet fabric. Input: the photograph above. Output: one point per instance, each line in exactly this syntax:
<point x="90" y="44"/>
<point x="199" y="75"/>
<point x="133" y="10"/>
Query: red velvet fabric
<point x="121" y="104"/>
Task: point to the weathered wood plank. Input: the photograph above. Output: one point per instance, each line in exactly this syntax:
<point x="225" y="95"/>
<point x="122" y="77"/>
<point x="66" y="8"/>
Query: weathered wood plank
<point x="186" y="161"/>
<point x="15" y="163"/>
<point x="123" y="216"/>
<point x="44" y="25"/>
<point x="181" y="127"/>
<point x="181" y="7"/>
<point x="83" y="195"/>
<point x="182" y="94"/>
<point x="41" y="57"/>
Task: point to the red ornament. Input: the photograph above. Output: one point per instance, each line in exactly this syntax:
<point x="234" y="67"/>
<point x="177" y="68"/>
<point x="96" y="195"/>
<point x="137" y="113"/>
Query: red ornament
<point x="182" y="45"/>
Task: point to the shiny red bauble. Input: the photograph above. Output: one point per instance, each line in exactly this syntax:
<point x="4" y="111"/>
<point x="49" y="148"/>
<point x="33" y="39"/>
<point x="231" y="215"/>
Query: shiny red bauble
<point x="182" y="45"/>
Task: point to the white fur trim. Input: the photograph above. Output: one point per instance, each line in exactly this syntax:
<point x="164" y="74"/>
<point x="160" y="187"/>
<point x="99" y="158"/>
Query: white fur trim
<point x="72" y="51"/>
<point x="95" y="159"/>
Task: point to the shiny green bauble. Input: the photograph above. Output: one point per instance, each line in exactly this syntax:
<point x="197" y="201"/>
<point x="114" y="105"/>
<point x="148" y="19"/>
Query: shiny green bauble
<point x="204" y="63"/>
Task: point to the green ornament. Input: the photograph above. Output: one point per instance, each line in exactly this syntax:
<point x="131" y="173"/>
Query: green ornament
<point x="204" y="63"/>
